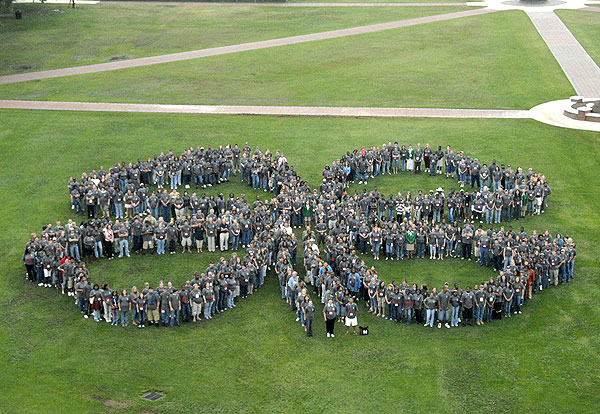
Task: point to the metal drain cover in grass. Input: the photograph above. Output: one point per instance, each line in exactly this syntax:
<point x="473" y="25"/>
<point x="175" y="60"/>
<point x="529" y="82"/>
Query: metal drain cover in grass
<point x="153" y="395"/>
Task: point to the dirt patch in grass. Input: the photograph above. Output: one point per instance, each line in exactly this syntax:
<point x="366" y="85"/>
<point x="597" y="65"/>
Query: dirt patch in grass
<point x="112" y="403"/>
<point x="119" y="57"/>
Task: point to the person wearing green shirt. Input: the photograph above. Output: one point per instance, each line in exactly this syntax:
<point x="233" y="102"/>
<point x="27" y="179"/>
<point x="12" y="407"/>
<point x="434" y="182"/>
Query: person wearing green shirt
<point x="410" y="242"/>
<point x="307" y="212"/>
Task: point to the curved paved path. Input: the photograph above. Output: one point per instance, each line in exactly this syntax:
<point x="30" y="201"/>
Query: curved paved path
<point x="266" y="110"/>
<point x="195" y="54"/>
<point x="580" y="68"/>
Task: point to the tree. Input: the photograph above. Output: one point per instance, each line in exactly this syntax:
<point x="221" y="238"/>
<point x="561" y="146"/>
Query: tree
<point x="5" y="6"/>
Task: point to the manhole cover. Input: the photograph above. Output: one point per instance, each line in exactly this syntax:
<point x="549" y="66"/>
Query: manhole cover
<point x="153" y="395"/>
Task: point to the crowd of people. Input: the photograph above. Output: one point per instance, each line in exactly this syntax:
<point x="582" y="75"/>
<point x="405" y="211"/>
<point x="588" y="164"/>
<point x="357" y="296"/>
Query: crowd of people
<point x="406" y="227"/>
<point x="57" y="256"/>
<point x="126" y="214"/>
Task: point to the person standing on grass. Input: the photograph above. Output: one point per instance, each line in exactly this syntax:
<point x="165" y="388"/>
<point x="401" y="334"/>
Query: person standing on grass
<point x="405" y="300"/>
<point x="467" y="304"/>
<point x="329" y="315"/>
<point x="443" y="306"/>
<point x="508" y="294"/>
<point x="351" y="316"/>
<point x="498" y="290"/>
<point x="96" y="299"/>
<point x="455" y="308"/>
<point x="409" y="242"/>
<point x="123" y="234"/>
<point x="418" y="299"/>
<point x="175" y="307"/>
<point x="210" y="231"/>
<point x="81" y="301"/>
<point x="430" y="307"/>
<point x="292" y="283"/>
<point x="74" y="244"/>
<point x="152" y="305"/>
<point x="165" y="310"/>
<point x="354" y="284"/>
<point x="108" y="238"/>
<point x="376" y="241"/>
<point x="147" y="237"/>
<point x="518" y="295"/>
<point x="381" y="299"/>
<point x="106" y="292"/>
<point x="172" y="236"/>
<point x="207" y="294"/>
<point x="142" y="309"/>
<point x="309" y="316"/>
<point x="490" y="300"/>
<point x="390" y="300"/>
<point x="339" y="300"/>
<point x="197" y="299"/>
<point x="372" y="292"/>
<point x="480" y="296"/>
<point x="530" y="280"/>
<point x="114" y="307"/>
<point x="124" y="307"/>
<point x="467" y="242"/>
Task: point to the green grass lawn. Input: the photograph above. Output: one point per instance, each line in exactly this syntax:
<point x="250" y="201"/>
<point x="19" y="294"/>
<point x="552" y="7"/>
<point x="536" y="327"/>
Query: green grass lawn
<point x="433" y="65"/>
<point x="584" y="26"/>
<point x="53" y="36"/>
<point x="255" y="358"/>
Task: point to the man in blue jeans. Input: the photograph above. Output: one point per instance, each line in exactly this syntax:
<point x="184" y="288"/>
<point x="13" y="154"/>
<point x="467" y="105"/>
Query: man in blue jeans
<point x="74" y="244"/>
<point x="291" y="290"/>
<point x="165" y="308"/>
<point x="430" y="305"/>
<point x="443" y="306"/>
<point x="480" y="297"/>
<point x="455" y="308"/>
<point x="207" y="294"/>
<point x="123" y="241"/>
<point x="124" y="307"/>
<point x="82" y="302"/>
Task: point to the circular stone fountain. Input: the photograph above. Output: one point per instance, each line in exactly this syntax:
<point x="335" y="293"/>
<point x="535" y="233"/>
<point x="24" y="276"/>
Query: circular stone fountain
<point x="583" y="109"/>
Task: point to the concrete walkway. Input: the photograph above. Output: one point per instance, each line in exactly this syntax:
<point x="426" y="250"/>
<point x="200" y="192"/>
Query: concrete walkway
<point x="580" y="68"/>
<point x="267" y="110"/>
<point x="195" y="54"/>
<point x="592" y="9"/>
<point x="549" y="113"/>
<point x="552" y="113"/>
